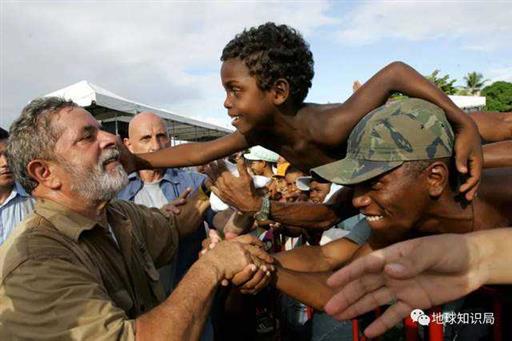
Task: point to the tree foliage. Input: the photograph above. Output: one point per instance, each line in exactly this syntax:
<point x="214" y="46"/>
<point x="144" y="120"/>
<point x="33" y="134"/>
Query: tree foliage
<point x="474" y="82"/>
<point x="498" y="96"/>
<point x="443" y="82"/>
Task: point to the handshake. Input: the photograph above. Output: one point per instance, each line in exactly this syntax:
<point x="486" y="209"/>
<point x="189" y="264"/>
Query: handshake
<point x="241" y="261"/>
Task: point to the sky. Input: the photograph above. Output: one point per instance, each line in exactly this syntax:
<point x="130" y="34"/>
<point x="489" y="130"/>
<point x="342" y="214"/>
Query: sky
<point x="166" y="53"/>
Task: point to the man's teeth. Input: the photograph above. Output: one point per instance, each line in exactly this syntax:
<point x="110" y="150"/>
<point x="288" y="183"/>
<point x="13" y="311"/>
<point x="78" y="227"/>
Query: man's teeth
<point x="235" y="118"/>
<point x="374" y="217"/>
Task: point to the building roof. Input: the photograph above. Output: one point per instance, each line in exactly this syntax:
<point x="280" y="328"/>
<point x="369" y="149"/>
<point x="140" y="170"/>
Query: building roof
<point x="107" y="106"/>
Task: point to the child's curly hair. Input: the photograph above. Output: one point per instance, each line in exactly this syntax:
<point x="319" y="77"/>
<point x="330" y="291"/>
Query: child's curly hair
<point x="271" y="52"/>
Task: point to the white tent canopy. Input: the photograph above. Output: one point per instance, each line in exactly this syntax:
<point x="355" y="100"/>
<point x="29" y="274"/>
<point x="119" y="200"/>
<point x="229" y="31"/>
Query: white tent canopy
<point x="108" y="107"/>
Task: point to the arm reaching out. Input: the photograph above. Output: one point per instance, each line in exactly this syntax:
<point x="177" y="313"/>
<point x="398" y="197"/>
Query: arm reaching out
<point x="420" y="273"/>
<point x="400" y="77"/>
<point x="187" y="154"/>
<point x="239" y="192"/>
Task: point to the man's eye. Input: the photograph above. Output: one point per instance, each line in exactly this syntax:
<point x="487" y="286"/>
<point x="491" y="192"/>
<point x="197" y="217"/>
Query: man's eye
<point x="376" y="185"/>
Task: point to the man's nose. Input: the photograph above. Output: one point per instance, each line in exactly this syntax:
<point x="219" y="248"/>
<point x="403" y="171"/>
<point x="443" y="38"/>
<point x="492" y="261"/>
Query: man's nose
<point x="360" y="198"/>
<point x="3" y="160"/>
<point x="106" y="139"/>
<point x="154" y="145"/>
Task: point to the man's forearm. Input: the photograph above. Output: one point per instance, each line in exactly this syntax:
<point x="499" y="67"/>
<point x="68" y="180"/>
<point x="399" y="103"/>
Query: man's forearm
<point x="328" y="257"/>
<point x="305" y="258"/>
<point x="183" y="314"/>
<point x="309" y="288"/>
<point x="304" y="214"/>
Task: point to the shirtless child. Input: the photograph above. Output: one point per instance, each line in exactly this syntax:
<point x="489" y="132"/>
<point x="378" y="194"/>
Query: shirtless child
<point x="267" y="72"/>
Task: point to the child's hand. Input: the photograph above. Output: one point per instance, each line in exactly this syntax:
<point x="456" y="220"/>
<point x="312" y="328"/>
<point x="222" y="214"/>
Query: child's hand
<point x="468" y="156"/>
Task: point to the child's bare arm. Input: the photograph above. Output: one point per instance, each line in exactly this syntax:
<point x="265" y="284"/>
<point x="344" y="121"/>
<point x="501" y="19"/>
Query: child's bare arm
<point x="188" y="154"/>
<point x="399" y="77"/>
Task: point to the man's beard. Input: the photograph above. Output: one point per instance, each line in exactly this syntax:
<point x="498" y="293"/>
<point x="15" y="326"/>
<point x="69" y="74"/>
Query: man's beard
<point x="97" y="184"/>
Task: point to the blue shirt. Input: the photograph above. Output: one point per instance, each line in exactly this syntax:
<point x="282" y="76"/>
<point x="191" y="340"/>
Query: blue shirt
<point x="14" y="209"/>
<point x="174" y="182"/>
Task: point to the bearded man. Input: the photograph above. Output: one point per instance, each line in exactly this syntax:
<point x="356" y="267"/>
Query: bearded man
<point x="83" y="266"/>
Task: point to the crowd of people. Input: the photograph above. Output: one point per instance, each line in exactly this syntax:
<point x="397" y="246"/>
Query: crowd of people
<point x="307" y="216"/>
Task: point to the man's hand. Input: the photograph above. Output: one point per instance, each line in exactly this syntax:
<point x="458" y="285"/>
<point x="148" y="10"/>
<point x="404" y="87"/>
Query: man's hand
<point x="173" y="206"/>
<point x="252" y="281"/>
<point x="255" y="275"/>
<point x="468" y="156"/>
<point x="418" y="273"/>
<point x="127" y="159"/>
<point x="235" y="191"/>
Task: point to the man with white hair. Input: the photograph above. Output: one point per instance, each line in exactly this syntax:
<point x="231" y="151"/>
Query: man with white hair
<point x="83" y="266"/>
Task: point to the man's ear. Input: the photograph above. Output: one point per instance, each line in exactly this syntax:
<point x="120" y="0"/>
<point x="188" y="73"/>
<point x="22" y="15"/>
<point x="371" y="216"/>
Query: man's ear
<point x="127" y="143"/>
<point x="280" y="91"/>
<point x="437" y="178"/>
<point x="44" y="173"/>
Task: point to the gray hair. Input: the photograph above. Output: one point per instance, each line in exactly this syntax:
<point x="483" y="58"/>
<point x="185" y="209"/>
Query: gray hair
<point x="33" y="136"/>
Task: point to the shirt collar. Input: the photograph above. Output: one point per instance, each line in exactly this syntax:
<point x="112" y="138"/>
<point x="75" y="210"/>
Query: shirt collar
<point x="20" y="190"/>
<point x="170" y="175"/>
<point x="65" y="220"/>
<point x="16" y="191"/>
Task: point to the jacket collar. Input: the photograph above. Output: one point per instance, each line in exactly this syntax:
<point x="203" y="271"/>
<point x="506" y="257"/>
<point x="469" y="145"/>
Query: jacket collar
<point x="67" y="221"/>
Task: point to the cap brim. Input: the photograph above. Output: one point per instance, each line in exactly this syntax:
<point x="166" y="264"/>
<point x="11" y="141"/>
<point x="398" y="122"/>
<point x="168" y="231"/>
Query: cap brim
<point x="251" y="157"/>
<point x="302" y="183"/>
<point x="352" y="171"/>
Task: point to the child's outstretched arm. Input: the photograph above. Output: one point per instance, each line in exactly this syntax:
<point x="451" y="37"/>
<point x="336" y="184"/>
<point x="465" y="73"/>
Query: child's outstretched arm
<point x="399" y="77"/>
<point x="183" y="155"/>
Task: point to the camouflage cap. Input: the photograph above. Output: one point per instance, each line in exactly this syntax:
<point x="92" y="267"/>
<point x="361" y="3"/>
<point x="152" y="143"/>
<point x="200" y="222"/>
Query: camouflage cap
<point x="399" y="131"/>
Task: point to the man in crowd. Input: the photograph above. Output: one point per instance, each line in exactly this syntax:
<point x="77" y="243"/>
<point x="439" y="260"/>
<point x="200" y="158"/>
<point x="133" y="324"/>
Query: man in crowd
<point x="82" y="266"/>
<point x="400" y="176"/>
<point x="15" y="203"/>
<point x="156" y="188"/>
<point x="261" y="161"/>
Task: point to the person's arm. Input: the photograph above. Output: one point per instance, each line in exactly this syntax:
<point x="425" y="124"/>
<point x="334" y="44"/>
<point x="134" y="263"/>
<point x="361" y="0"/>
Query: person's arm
<point x="327" y="257"/>
<point x="420" y="273"/>
<point x="309" y="288"/>
<point x="239" y="192"/>
<point x="232" y="223"/>
<point x="493" y="126"/>
<point x="188" y="154"/>
<point x="182" y="315"/>
<point x="399" y="77"/>
<point x="497" y="155"/>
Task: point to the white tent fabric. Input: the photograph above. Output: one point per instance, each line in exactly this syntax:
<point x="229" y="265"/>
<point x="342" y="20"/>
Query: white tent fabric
<point x="468" y="102"/>
<point x="109" y="107"/>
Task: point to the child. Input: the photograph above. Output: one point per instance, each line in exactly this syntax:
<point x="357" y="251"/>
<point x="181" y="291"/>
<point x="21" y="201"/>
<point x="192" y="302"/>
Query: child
<point x="267" y="72"/>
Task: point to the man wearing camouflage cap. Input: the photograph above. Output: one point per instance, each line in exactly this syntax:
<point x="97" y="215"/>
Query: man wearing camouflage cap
<point x="399" y="169"/>
<point x="400" y="166"/>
